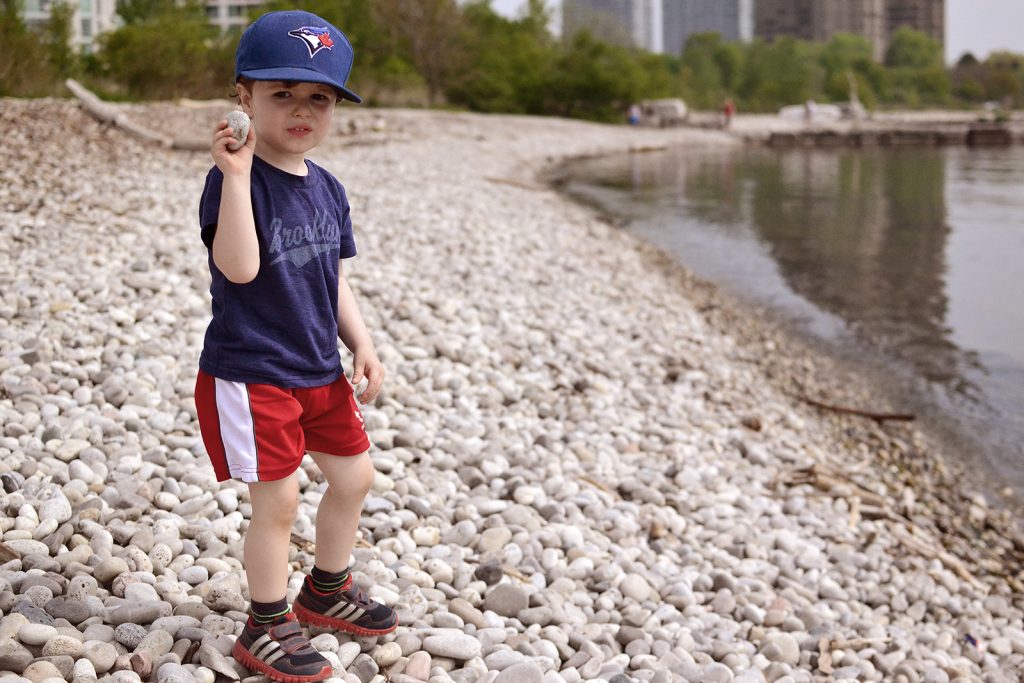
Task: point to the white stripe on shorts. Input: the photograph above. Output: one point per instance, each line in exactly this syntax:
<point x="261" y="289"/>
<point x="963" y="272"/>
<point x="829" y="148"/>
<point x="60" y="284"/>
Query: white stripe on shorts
<point x="237" y="429"/>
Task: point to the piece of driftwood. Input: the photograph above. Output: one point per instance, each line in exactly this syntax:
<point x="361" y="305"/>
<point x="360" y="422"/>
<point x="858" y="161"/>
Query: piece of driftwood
<point x="877" y="417"/>
<point x="515" y="574"/>
<point x="514" y="183"/>
<point x="106" y="113"/>
<point x="832" y="482"/>
<point x="932" y="550"/>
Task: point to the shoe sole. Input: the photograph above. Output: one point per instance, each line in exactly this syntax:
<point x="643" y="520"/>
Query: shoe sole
<point x="308" y="617"/>
<point x="246" y="659"/>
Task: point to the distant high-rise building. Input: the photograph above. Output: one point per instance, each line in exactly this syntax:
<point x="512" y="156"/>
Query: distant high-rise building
<point x="633" y="23"/>
<point x="926" y="16"/>
<point x="732" y="19"/>
<point x="233" y="14"/>
<point x="90" y="19"/>
<point x="876" y="20"/>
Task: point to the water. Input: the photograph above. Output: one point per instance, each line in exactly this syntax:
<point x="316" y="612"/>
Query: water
<point x="906" y="262"/>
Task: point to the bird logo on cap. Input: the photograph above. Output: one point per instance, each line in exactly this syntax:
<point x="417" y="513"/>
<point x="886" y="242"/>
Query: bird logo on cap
<point x="315" y="38"/>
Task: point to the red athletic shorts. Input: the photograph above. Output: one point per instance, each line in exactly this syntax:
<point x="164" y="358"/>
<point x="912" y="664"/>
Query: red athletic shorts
<point x="259" y="432"/>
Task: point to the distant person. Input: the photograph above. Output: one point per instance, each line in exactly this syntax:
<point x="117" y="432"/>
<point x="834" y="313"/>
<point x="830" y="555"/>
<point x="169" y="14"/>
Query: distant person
<point x="271" y="387"/>
<point x="634" y="114"/>
<point x="728" y="111"/>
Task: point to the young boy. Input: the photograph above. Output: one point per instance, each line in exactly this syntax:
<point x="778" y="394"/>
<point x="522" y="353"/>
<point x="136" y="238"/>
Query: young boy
<point x="271" y="385"/>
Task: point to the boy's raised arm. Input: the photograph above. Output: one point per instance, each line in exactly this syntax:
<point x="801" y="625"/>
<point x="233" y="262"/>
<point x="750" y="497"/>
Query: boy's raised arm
<point x="236" y="251"/>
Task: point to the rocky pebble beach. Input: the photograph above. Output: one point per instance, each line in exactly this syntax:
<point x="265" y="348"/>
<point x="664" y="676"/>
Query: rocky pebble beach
<point x="590" y="467"/>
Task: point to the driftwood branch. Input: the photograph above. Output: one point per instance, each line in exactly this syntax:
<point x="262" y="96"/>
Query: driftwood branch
<point x="877" y="417"/>
<point x="106" y="113"/>
<point x="514" y="183"/>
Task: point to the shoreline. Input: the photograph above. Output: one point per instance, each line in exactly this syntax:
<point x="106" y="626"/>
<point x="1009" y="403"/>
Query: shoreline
<point x="870" y="375"/>
<point x="815" y="374"/>
<point x="576" y="437"/>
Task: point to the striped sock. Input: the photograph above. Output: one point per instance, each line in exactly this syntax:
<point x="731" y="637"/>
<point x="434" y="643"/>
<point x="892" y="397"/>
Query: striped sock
<point x="328" y="582"/>
<point x="266" y="612"/>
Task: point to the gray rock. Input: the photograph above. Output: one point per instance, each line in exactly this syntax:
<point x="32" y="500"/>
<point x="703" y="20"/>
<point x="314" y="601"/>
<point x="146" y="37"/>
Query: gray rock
<point x="130" y="634"/>
<point x="506" y="599"/>
<point x="13" y="656"/>
<point x="716" y="673"/>
<point x="102" y="655"/>
<point x="238" y="121"/>
<point x="145" y="613"/>
<point x="526" y="672"/>
<point x="454" y="645"/>
<point x="73" y="611"/>
<point x="34" y="614"/>
<point x="364" y="668"/>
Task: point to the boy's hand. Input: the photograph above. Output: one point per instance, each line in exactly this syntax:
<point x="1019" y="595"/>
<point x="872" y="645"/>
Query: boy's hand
<point x="366" y="365"/>
<point x="237" y="162"/>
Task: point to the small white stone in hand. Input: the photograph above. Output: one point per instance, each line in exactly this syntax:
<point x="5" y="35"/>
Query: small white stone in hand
<point x="239" y="124"/>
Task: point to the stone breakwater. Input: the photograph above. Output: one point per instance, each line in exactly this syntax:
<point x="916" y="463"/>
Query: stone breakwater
<point x="589" y="467"/>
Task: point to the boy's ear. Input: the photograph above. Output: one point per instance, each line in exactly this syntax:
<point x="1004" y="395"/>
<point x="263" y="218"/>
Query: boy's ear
<point x="244" y="97"/>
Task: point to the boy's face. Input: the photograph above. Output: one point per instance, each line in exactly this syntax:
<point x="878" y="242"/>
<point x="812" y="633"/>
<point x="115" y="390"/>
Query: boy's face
<point x="290" y="118"/>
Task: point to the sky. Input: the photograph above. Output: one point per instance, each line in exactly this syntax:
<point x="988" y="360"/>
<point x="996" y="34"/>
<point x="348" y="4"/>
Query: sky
<point x="978" y="26"/>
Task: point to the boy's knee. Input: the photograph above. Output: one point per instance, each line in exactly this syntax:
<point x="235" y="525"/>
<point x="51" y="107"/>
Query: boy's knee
<point x="279" y="509"/>
<point x="356" y="480"/>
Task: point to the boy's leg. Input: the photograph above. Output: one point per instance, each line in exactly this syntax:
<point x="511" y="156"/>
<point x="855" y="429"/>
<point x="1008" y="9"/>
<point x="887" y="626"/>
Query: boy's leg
<point x="267" y="540"/>
<point x="349" y="479"/>
<point x="345" y="607"/>
<point x="272" y="642"/>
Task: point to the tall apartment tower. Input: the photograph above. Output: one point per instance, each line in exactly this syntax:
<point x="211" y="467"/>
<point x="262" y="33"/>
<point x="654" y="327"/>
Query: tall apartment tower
<point x="633" y="23"/>
<point x="90" y="19"/>
<point x="876" y="20"/>
<point x="733" y="19"/>
<point x="232" y="14"/>
<point x="927" y="16"/>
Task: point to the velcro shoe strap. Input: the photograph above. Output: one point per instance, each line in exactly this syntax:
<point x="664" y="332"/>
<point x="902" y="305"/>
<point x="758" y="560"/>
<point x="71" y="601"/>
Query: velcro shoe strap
<point x="283" y="631"/>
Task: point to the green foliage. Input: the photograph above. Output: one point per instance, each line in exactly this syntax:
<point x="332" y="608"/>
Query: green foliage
<point x="594" y="80"/>
<point x="463" y="53"/>
<point x="173" y="54"/>
<point x="35" y="63"/>
<point x="140" y="11"/>
<point x="785" y="71"/>
<point x="504" y="65"/>
<point x="910" y="49"/>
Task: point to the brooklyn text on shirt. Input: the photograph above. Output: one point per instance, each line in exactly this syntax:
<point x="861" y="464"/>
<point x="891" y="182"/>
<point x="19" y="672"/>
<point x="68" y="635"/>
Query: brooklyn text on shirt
<point x="302" y="243"/>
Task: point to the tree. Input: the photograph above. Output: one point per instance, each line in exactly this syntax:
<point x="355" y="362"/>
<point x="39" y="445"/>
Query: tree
<point x="917" y="74"/>
<point x="967" y="59"/>
<point x="595" y="80"/>
<point x="705" y="88"/>
<point x="426" y="32"/>
<point x="847" y="56"/>
<point x="140" y="11"/>
<point x="35" y="63"/>
<point x="1003" y="74"/>
<point x="913" y="50"/>
<point x="782" y="72"/>
<point x="167" y="55"/>
<point x="503" y="64"/>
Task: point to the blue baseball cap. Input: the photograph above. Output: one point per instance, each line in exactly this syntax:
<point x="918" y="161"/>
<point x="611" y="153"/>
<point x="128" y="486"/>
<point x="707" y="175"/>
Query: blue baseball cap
<point x="295" y="46"/>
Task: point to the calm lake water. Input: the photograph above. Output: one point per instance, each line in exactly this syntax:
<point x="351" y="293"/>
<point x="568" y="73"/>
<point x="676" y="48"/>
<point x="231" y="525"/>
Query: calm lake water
<point x="909" y="263"/>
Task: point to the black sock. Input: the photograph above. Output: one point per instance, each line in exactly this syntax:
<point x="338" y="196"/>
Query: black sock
<point x="266" y="612"/>
<point x="328" y="582"/>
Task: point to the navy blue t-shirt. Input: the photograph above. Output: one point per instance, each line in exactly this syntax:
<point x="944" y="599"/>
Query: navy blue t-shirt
<point x="282" y="327"/>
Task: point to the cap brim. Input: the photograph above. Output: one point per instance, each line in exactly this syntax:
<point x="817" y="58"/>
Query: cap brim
<point x="301" y="76"/>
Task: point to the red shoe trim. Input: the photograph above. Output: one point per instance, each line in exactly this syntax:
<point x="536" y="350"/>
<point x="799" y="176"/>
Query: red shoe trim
<point x="308" y="617"/>
<point x="246" y="659"/>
